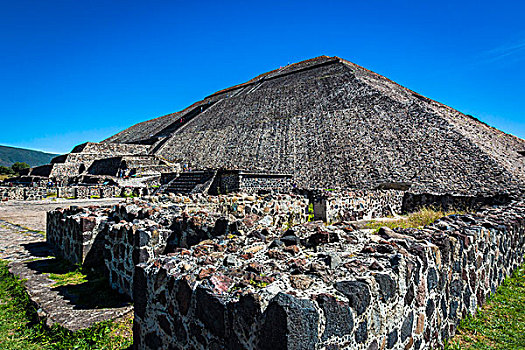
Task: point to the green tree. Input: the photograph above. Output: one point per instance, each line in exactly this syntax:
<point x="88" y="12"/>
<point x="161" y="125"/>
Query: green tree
<point x="6" y="170"/>
<point x="19" y="166"/>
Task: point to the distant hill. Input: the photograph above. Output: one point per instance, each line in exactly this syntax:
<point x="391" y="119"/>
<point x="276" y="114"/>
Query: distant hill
<point x="10" y="155"/>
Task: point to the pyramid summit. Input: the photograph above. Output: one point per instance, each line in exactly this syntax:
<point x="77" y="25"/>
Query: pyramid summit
<point x="333" y="124"/>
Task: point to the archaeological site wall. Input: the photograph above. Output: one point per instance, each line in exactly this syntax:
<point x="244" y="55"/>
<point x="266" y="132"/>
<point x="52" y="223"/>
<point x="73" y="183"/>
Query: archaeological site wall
<point x="69" y="192"/>
<point x="339" y="206"/>
<point x="238" y="181"/>
<point x="128" y="234"/>
<point x="337" y="289"/>
<point x="245" y="271"/>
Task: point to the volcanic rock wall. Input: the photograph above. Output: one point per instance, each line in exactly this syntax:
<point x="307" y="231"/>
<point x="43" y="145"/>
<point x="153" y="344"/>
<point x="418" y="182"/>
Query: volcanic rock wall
<point x="72" y="231"/>
<point x="357" y="205"/>
<point x="328" y="287"/>
<point x="118" y="238"/>
<point x="69" y="192"/>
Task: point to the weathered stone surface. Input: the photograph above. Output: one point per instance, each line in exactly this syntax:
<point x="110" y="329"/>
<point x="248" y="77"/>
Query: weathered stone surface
<point x="360" y="120"/>
<point x="358" y="294"/>
<point x="414" y="302"/>
<point x="295" y="324"/>
<point x="339" y="319"/>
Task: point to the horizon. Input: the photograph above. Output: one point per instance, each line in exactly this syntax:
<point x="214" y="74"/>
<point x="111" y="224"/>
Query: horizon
<point x="118" y="65"/>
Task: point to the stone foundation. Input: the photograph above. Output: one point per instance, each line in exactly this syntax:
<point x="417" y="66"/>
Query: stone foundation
<point x="242" y="271"/>
<point x="69" y="192"/>
<point x="355" y="205"/>
<point x="72" y="232"/>
<point x="336" y="289"/>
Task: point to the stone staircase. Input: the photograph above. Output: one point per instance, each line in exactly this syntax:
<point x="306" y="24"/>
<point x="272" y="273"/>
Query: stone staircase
<point x="190" y="181"/>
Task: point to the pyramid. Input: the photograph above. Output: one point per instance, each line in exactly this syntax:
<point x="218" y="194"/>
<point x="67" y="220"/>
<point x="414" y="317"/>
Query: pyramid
<point x="333" y="124"/>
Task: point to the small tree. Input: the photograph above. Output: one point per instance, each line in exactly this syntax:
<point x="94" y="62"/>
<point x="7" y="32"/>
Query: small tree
<point x="19" y="166"/>
<point x="6" y="170"/>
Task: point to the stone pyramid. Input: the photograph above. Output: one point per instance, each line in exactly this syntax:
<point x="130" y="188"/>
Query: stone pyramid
<point x="334" y="124"/>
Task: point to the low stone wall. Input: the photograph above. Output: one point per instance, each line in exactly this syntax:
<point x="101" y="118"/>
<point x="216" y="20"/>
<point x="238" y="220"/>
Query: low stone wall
<point x="356" y="205"/>
<point x="328" y="286"/>
<point x="25" y="193"/>
<point x="272" y="210"/>
<point x="12" y="193"/>
<point x="72" y="232"/>
<point x="125" y="246"/>
<point x="265" y="182"/>
<point x="69" y="192"/>
<point x="413" y="202"/>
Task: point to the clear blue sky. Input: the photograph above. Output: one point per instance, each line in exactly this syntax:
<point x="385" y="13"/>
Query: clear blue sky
<point x="75" y="71"/>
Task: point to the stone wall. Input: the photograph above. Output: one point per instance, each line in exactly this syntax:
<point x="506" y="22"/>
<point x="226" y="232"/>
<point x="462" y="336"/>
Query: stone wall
<point x="69" y="192"/>
<point x="25" y="193"/>
<point x="413" y="202"/>
<point x="328" y="286"/>
<point x="238" y="181"/>
<point x="12" y="193"/>
<point x="126" y="245"/>
<point x="265" y="182"/>
<point x="72" y="231"/>
<point x="356" y="205"/>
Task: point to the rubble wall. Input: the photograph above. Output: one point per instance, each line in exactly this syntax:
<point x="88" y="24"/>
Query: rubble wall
<point x="415" y="201"/>
<point x="125" y="246"/>
<point x="72" y="231"/>
<point x="68" y="192"/>
<point x="254" y="183"/>
<point x="406" y="289"/>
<point x="357" y="205"/>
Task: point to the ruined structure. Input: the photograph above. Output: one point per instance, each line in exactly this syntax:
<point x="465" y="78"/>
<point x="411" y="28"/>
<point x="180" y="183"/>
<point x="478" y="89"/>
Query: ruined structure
<point x="262" y="246"/>
<point x="248" y="272"/>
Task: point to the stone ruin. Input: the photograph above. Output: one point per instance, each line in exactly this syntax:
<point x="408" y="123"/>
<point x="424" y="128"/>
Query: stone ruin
<point x="248" y="232"/>
<point x="243" y="271"/>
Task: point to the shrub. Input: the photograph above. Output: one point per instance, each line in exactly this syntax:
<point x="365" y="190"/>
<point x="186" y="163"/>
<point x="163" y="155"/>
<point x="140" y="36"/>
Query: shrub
<point x="18" y="167"/>
<point x="6" y="170"/>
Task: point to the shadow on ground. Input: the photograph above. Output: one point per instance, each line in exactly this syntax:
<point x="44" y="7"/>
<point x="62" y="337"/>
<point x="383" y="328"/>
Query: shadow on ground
<point x="92" y="293"/>
<point x="38" y="249"/>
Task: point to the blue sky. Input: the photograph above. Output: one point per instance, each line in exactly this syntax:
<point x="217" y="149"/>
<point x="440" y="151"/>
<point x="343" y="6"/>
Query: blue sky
<point x="75" y="71"/>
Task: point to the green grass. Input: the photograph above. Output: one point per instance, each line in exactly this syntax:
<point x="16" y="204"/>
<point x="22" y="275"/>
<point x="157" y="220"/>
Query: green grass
<point x="500" y="324"/>
<point x="311" y="212"/>
<point x="69" y="278"/>
<point x="20" y="327"/>
<point x="420" y="218"/>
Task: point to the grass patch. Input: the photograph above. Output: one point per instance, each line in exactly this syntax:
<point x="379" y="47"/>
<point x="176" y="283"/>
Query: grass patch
<point x="311" y="212"/>
<point x="69" y="278"/>
<point x="20" y="327"/>
<point x="420" y="218"/>
<point x="85" y="288"/>
<point x="499" y="324"/>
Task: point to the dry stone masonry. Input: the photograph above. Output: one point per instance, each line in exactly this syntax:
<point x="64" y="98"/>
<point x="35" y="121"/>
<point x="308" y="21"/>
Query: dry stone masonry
<point x="328" y="287"/>
<point x="241" y="271"/>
